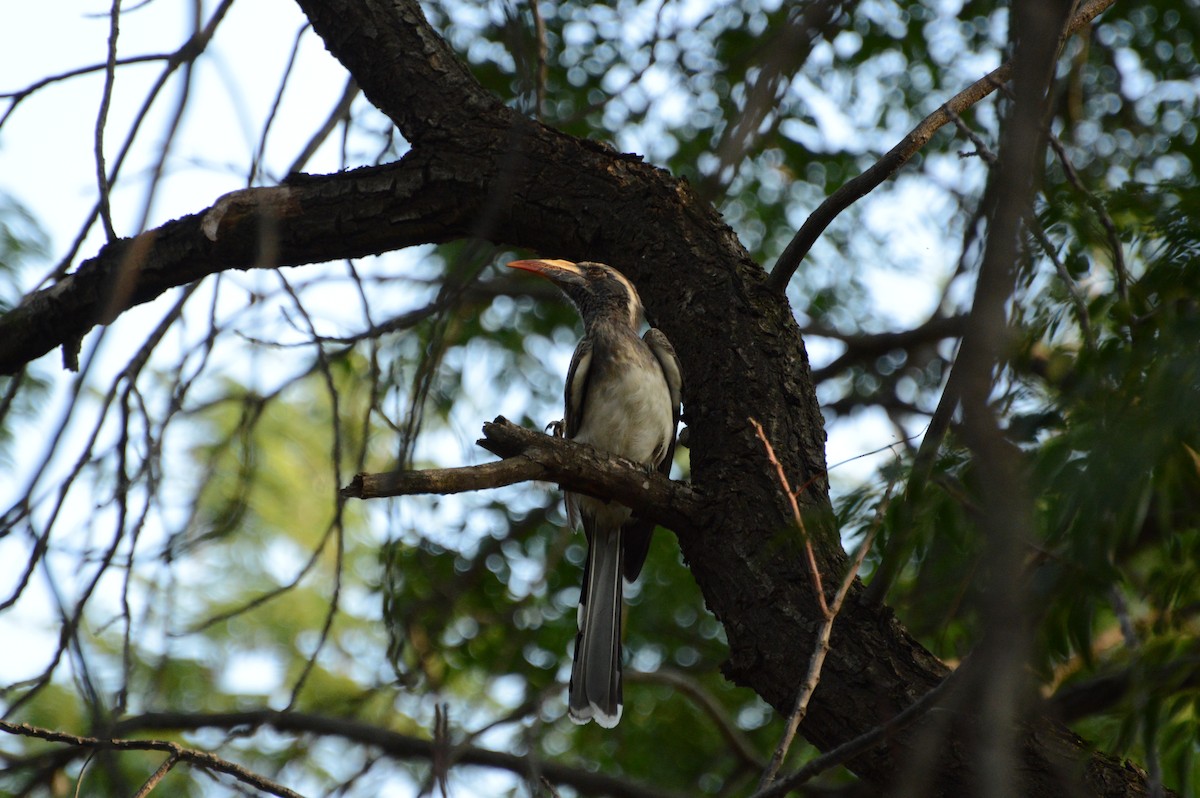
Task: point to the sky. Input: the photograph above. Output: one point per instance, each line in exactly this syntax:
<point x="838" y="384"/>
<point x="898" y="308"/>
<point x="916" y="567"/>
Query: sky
<point x="46" y="148"/>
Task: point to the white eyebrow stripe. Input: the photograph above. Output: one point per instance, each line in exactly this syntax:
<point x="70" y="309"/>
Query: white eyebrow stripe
<point x="635" y="301"/>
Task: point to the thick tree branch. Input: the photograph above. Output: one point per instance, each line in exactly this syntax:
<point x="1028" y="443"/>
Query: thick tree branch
<point x="530" y="455"/>
<point x="310" y="219"/>
<point x="858" y="187"/>
<point x="391" y="39"/>
<point x="394" y="744"/>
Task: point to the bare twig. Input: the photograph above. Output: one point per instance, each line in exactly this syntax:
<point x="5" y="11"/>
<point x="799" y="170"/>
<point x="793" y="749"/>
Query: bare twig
<point x="439" y="766"/>
<point x="397" y="746"/>
<point x="260" y="151"/>
<point x="110" y="75"/>
<point x="813" y="571"/>
<point x="187" y="53"/>
<point x="738" y="743"/>
<point x="157" y="776"/>
<point x="20" y="94"/>
<point x="1039" y="234"/>
<point x="829" y="611"/>
<point x="858" y="187"/>
<point x="1102" y="214"/>
<point x="201" y="758"/>
<point x="339" y="113"/>
<point x="542" y="73"/>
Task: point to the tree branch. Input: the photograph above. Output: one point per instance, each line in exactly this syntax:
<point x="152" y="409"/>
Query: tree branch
<point x="394" y="744"/>
<point x="867" y="346"/>
<point x="309" y="219"/>
<point x="741" y="746"/>
<point x="864" y="742"/>
<point x="829" y="609"/>
<point x="858" y="187"/>
<point x="530" y="455"/>
<point x="394" y="38"/>
<point x="177" y="752"/>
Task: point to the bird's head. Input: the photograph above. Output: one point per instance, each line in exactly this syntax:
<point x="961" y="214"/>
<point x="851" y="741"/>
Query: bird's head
<point x="596" y="290"/>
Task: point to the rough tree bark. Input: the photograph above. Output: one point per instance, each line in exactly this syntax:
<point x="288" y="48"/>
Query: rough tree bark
<point x="478" y="169"/>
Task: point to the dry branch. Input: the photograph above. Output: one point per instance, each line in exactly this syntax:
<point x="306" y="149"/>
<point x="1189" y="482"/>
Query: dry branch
<point x="858" y="187"/>
<point x="177" y="752"/>
<point x="531" y="455"/>
<point x="394" y="744"/>
<point x="829" y="610"/>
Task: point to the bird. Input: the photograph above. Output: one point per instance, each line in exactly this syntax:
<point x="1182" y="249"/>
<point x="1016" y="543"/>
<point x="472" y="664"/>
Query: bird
<point x="623" y="395"/>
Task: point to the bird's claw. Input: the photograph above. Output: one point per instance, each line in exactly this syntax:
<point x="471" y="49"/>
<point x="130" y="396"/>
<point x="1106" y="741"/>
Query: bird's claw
<point x="555" y="428"/>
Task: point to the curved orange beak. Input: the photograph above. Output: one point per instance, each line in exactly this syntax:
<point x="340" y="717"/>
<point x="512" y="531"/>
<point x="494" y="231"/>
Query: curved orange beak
<point x="556" y="270"/>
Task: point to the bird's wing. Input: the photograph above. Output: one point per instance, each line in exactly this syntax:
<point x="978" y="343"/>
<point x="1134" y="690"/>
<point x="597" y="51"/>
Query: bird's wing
<point x="576" y="388"/>
<point x="638" y="530"/>
<point x="664" y="353"/>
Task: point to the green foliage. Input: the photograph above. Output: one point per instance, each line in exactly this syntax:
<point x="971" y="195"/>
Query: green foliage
<point x="1110" y="436"/>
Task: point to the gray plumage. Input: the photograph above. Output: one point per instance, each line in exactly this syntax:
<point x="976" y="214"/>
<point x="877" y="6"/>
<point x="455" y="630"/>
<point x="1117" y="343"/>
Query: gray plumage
<point x="622" y="396"/>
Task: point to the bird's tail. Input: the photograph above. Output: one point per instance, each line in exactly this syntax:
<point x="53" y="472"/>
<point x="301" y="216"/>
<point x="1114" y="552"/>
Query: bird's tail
<point x="595" y="692"/>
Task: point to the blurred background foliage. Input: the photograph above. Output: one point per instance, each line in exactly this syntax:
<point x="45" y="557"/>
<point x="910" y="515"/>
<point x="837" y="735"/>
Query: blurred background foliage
<point x="182" y="546"/>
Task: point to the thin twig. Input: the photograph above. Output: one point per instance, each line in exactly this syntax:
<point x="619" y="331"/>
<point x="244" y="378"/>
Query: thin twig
<point x="188" y="52"/>
<point x="813" y="571"/>
<point x="858" y="187"/>
<point x="261" y="149"/>
<point x="830" y="611"/>
<point x="338" y="114"/>
<point x="396" y="746"/>
<point x="110" y="76"/>
<point x="157" y="776"/>
<point x="542" y="72"/>
<point x="1039" y="234"/>
<point x="690" y="688"/>
<point x="190" y="755"/>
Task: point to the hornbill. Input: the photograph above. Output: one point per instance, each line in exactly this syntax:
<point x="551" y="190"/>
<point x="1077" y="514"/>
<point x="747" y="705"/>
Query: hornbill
<point x="622" y="396"/>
